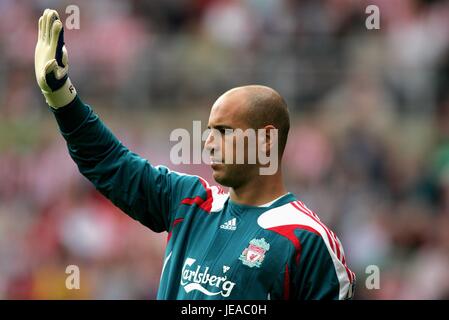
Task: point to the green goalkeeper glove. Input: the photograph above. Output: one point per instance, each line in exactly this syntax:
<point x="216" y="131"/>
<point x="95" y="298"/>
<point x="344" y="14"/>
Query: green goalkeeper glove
<point x="51" y="61"/>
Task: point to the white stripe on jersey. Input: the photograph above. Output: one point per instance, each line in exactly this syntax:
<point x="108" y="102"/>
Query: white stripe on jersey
<point x="288" y="215"/>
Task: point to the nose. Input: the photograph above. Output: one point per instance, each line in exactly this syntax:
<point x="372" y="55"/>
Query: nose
<point x="210" y="142"/>
<point x="208" y="145"/>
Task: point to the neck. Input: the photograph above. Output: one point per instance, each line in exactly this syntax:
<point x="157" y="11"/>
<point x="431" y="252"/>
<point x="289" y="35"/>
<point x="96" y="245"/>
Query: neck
<point x="259" y="190"/>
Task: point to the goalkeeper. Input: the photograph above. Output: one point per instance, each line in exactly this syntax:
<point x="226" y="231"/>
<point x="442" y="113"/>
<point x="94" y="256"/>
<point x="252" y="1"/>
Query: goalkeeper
<point x="256" y="242"/>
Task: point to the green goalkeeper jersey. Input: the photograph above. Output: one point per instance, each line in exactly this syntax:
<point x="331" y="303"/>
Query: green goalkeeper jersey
<point x="216" y="248"/>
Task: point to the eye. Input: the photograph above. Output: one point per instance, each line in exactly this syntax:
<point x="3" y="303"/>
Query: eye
<point x="223" y="131"/>
<point x="228" y="132"/>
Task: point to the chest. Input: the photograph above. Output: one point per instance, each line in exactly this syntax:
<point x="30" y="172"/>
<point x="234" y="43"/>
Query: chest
<point x="226" y="254"/>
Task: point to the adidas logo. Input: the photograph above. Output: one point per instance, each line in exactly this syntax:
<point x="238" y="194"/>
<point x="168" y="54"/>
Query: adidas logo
<point x="230" y="225"/>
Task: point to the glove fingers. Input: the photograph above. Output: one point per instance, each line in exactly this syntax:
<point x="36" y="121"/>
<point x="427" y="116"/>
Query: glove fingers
<point x="59" y="44"/>
<point x="55" y="29"/>
<point x="61" y="72"/>
<point x="51" y="66"/>
<point x="44" y="24"/>
<point x="40" y="27"/>
<point x="55" y="76"/>
<point x="56" y="33"/>
<point x="51" y="17"/>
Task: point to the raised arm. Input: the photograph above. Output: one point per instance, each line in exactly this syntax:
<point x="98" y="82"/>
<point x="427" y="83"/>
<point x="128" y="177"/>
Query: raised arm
<point x="146" y="193"/>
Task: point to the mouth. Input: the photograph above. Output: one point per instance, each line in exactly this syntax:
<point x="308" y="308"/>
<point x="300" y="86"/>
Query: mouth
<point x="215" y="163"/>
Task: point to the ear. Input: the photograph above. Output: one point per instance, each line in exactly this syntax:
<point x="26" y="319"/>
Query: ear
<point x="268" y="138"/>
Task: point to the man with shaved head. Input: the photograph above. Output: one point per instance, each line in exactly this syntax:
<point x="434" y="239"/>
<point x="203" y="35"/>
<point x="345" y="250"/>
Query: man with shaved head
<point x="250" y="109"/>
<point x="258" y="241"/>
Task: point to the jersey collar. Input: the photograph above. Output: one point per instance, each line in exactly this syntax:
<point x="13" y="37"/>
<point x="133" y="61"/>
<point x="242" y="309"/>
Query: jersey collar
<point x="286" y="198"/>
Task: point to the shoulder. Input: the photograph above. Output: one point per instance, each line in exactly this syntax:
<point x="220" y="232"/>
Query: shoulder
<point x="303" y="227"/>
<point x="296" y="216"/>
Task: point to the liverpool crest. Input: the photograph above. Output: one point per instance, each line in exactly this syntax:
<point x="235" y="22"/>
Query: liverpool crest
<point x="254" y="255"/>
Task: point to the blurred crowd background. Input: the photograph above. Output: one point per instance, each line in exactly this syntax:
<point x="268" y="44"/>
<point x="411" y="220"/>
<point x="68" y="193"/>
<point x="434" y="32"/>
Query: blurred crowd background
<point x="368" y="148"/>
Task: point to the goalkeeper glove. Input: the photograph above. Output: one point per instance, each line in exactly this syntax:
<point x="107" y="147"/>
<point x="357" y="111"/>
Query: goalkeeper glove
<point x="51" y="61"/>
